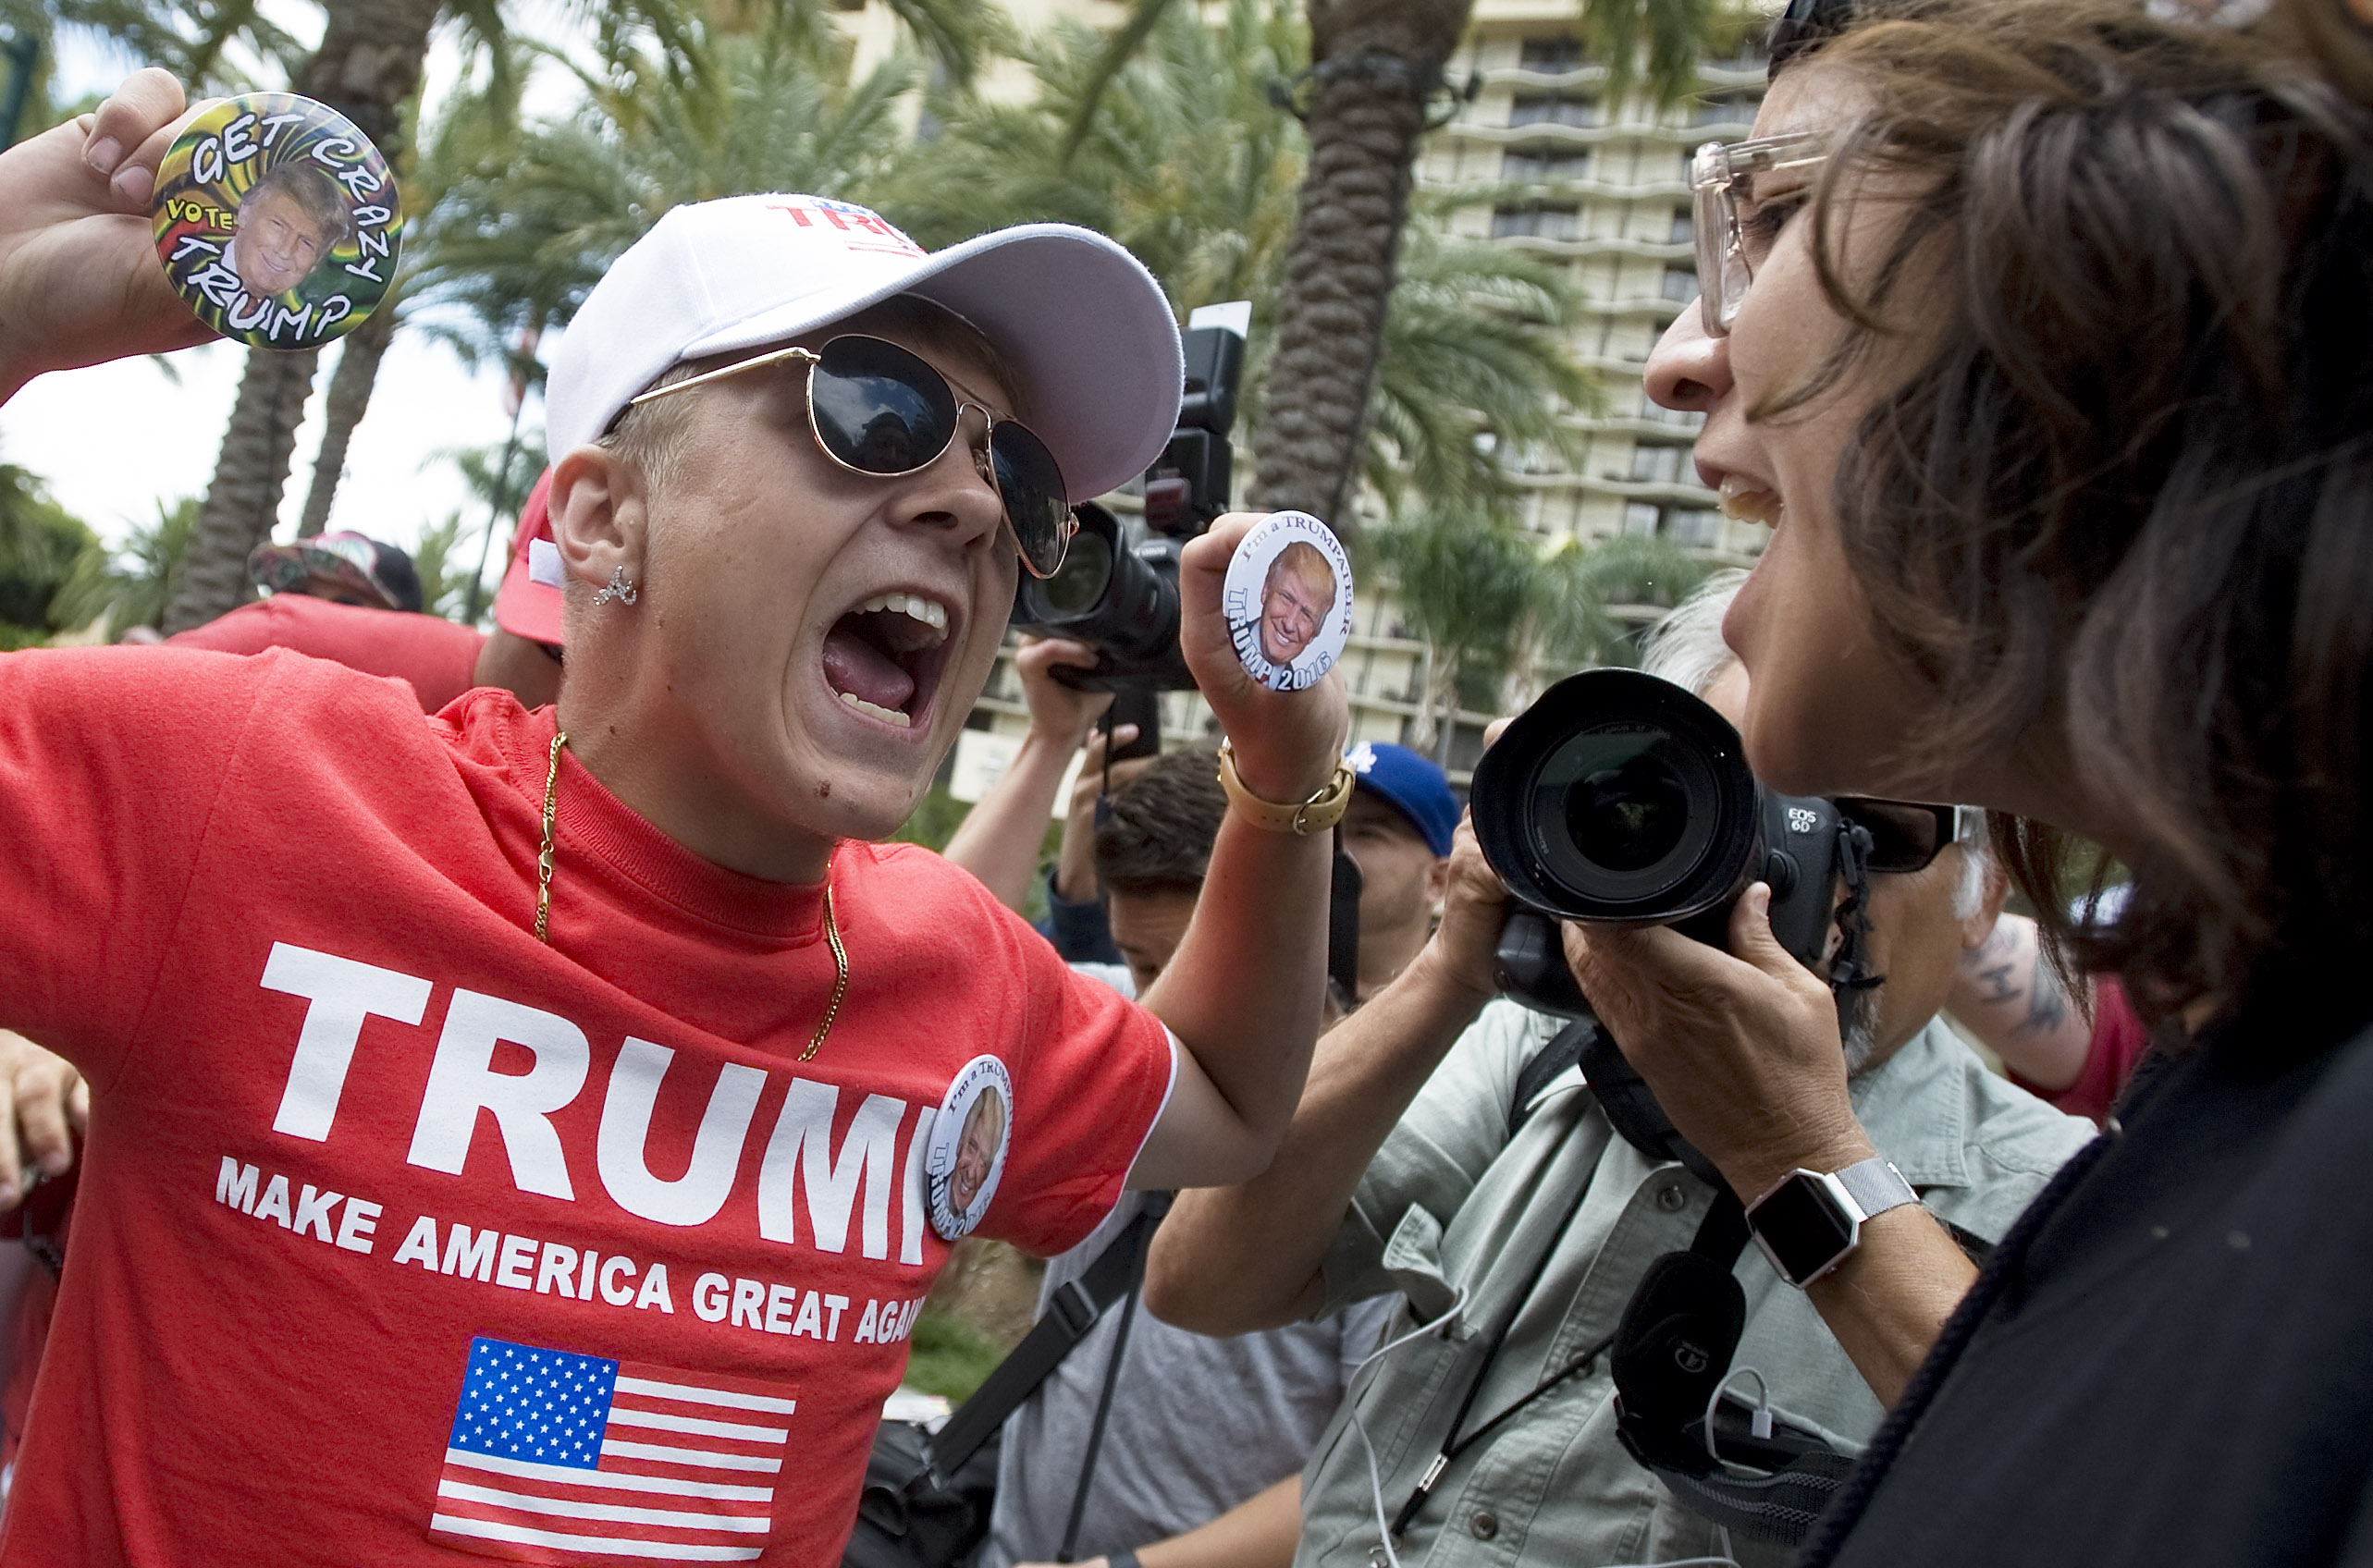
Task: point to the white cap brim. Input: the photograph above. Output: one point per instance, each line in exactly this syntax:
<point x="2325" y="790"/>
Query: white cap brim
<point x="1078" y="319"/>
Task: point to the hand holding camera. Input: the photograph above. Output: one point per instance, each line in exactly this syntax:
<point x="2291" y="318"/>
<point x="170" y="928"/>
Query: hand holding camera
<point x="1062" y="715"/>
<point x="1740" y="1048"/>
<point x="1464" y="948"/>
<point x="1622" y="806"/>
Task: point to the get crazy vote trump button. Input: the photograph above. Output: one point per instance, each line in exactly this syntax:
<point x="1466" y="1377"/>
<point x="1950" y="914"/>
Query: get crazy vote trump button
<point x="277" y="221"/>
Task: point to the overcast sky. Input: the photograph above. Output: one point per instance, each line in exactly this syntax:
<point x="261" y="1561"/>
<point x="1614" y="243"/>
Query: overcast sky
<point x="115" y="440"/>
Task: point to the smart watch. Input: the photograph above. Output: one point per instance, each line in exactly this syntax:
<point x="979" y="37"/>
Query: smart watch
<point x="1809" y="1223"/>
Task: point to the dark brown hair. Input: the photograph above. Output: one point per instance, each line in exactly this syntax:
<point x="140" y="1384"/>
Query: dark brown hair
<point x="2129" y="490"/>
<point x="1158" y="835"/>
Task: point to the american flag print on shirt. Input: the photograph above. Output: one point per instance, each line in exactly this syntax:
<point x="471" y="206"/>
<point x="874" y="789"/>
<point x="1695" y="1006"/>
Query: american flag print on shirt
<point x="568" y="1459"/>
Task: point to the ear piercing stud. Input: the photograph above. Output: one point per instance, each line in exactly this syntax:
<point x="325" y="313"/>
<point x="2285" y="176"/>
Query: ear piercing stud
<point x="620" y="589"/>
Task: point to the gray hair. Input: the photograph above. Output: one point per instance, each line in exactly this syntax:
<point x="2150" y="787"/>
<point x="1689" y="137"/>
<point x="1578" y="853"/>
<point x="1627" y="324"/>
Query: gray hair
<point x="1686" y="647"/>
<point x="1969" y="894"/>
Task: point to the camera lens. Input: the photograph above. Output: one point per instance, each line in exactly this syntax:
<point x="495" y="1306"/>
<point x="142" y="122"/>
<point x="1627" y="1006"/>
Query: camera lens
<point x="1079" y="583"/>
<point x="1617" y="797"/>
<point x="1612" y="810"/>
<point x="1627" y="813"/>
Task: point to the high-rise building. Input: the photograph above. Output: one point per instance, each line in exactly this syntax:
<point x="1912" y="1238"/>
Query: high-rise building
<point x="1601" y="187"/>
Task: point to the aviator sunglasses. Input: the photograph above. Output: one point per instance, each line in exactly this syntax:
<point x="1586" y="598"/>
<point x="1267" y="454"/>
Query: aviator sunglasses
<point x="876" y="408"/>
<point x="1910" y="835"/>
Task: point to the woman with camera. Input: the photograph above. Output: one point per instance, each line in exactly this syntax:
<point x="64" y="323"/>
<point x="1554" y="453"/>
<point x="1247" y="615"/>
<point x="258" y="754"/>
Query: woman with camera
<point x="2037" y="331"/>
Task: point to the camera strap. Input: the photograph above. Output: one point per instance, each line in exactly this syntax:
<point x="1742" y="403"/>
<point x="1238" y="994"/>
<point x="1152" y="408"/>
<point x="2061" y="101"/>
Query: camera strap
<point x="1850" y="965"/>
<point x="1073" y="1309"/>
<point x="1762" y="1476"/>
<point x="1455" y="1444"/>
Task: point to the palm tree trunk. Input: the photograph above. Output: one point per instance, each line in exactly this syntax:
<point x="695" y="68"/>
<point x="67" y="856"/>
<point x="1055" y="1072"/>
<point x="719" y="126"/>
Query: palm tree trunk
<point x="1374" y="66"/>
<point x="245" y="495"/>
<point x="342" y="409"/>
<point x="1446" y="723"/>
<point x="370" y="61"/>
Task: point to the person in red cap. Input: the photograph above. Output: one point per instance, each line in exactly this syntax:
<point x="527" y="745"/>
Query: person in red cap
<point x="534" y="1132"/>
<point x="339" y="610"/>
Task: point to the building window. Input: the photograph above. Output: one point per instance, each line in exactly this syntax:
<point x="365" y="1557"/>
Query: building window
<point x="1533" y="165"/>
<point x="1698" y="528"/>
<point x="1560" y="54"/>
<point x="1681" y="283"/>
<point x="1537" y="222"/>
<point x="1552" y="108"/>
<point x="1684" y="227"/>
<point x="1655" y="463"/>
<point x="1726" y="108"/>
<point x="1694" y="527"/>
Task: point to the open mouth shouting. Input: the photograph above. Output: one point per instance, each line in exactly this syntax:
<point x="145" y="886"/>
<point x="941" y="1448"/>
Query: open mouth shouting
<point x="883" y="659"/>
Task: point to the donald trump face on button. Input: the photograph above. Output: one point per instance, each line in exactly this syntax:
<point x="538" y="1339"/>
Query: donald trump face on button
<point x="1295" y="598"/>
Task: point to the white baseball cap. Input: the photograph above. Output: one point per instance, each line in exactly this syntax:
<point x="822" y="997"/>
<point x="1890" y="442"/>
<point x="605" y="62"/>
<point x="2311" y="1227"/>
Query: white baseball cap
<point x="1080" y="320"/>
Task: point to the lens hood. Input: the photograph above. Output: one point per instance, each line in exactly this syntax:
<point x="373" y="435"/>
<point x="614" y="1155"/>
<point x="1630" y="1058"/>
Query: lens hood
<point x="1119" y="599"/>
<point x="1618" y="798"/>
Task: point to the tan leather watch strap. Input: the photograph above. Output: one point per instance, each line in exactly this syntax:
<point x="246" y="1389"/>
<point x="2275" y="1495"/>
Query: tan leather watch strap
<point x="1317" y="814"/>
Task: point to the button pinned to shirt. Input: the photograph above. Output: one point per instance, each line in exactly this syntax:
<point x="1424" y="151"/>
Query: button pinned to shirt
<point x="1670" y="1198"/>
<point x="1483" y="1524"/>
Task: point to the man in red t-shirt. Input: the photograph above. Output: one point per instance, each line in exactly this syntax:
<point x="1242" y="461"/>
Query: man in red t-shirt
<point x="532" y="1134"/>
<point x="439" y="659"/>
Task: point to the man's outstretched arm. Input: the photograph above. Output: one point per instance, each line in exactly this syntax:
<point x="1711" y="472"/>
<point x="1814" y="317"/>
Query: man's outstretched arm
<point x="1247" y="1256"/>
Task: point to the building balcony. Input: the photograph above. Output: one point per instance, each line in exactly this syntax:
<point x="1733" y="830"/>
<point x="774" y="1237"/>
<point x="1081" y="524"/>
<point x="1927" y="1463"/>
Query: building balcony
<point x="1664" y="423"/>
<point x="1579" y="189"/>
<point x="1713" y="76"/>
<point x="1464" y="129"/>
<point x="1586" y="246"/>
<point x="1663" y="492"/>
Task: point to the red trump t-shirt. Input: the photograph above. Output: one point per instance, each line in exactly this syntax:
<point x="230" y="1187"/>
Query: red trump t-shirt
<point x="405" y="1237"/>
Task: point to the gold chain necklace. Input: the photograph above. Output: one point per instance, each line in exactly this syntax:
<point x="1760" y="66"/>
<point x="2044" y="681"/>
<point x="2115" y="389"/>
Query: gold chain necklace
<point x="544" y="900"/>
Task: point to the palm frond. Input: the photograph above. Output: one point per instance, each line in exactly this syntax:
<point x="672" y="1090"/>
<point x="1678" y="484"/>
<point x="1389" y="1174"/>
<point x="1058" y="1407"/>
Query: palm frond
<point x="130" y="586"/>
<point x="1127" y="41"/>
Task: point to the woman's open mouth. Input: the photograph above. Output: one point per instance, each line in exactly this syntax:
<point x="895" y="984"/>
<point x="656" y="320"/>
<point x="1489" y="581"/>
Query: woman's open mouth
<point x="1744" y="500"/>
<point x="883" y="658"/>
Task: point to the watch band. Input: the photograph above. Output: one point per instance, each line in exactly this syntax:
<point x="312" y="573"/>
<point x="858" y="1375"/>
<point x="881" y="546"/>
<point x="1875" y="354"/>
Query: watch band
<point x="1807" y="1223"/>
<point x="1875" y="1185"/>
<point x="1321" y="812"/>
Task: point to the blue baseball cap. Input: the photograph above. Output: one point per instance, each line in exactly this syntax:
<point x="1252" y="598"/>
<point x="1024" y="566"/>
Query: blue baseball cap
<point x="1414" y="785"/>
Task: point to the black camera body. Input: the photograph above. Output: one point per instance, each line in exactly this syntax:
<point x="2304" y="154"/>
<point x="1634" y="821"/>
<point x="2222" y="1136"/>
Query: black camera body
<point x="1120" y="596"/>
<point x="1621" y="799"/>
